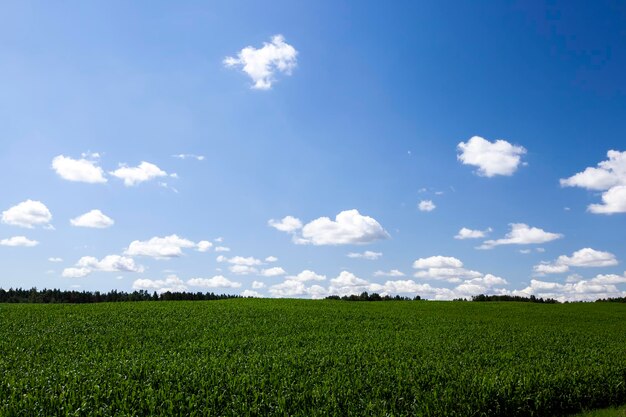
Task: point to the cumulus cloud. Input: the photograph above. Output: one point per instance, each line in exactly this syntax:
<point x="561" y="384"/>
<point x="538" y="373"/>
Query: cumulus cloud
<point x="391" y="273"/>
<point x="217" y="281"/>
<point x="426" y="205"/>
<point x="159" y="247"/>
<point x="586" y="257"/>
<point x="53" y="259"/>
<point x="79" y="170"/>
<point x="522" y="234"/>
<point x="609" y="176"/>
<point x="372" y="256"/>
<point x="189" y="156"/>
<point x="349" y="227"/>
<point x="222" y="249"/>
<point x="145" y="171"/>
<point x="258" y="285"/>
<point x="110" y="263"/>
<point x="446" y="268"/>
<point x="262" y="64"/>
<point x="251" y="293"/>
<point x="601" y="286"/>
<point x="243" y="269"/>
<point x="437" y="262"/>
<point x="19" y="241"/>
<point x="287" y="224"/>
<point x="491" y="158"/>
<point x="94" y="219"/>
<point x="466" y="233"/>
<point x="271" y="259"/>
<point x="170" y="284"/>
<point x="204" y="246"/>
<point x="27" y="214"/>
<point x="307" y="275"/>
<point x="273" y="272"/>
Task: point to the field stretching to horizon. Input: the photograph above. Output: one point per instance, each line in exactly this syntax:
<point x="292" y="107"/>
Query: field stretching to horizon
<point x="285" y="357"/>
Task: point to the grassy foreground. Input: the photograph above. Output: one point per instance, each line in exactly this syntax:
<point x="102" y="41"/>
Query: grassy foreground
<point x="311" y="358"/>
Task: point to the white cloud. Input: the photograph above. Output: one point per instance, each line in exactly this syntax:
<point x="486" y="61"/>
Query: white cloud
<point x="602" y="286"/>
<point x="240" y="260"/>
<point x="392" y="273"/>
<point x="273" y="272"/>
<point x="251" y="293"/>
<point x="522" y="234"/>
<point x="79" y="170"/>
<point x="222" y="249"/>
<point x="159" y="247"/>
<point x="27" y="214"/>
<point x="258" y="285"/>
<point x="349" y="227"/>
<point x="445" y="268"/>
<point x="217" y="281"/>
<point x="288" y="288"/>
<point x="586" y="257"/>
<point x="365" y="255"/>
<point x="262" y="64"/>
<point x="491" y="158"/>
<point x="288" y="224"/>
<point x="613" y="201"/>
<point x="437" y="262"/>
<point x="347" y="283"/>
<point x="55" y="259"/>
<point x="94" y="218"/>
<point x="307" y="275"/>
<point x="204" y="246"/>
<point x="172" y="284"/>
<point x="426" y="205"/>
<point x="189" y="156"/>
<point x="243" y="269"/>
<point x="610" y="177"/>
<point x="145" y="171"/>
<point x="76" y="272"/>
<point x="19" y="241"/>
<point x="271" y="259"/>
<point x="466" y="233"/>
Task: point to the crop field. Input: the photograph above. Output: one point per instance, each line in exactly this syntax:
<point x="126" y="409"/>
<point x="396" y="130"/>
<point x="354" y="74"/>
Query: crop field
<point x="245" y="357"/>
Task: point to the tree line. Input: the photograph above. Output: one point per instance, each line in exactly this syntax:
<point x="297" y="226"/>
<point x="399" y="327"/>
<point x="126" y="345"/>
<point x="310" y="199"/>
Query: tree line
<point x="364" y="296"/>
<point x="33" y="295"/>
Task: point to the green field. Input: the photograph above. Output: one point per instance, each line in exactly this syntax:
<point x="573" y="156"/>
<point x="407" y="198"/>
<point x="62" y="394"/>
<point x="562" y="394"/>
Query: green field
<point x="311" y="358"/>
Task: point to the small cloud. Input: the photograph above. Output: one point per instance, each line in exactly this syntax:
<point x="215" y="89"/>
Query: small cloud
<point x="55" y="260"/>
<point x="27" y="214"/>
<point x="189" y="156"/>
<point x="132" y="176"/>
<point x="273" y="272"/>
<point x="348" y="228"/>
<point x="271" y="259"/>
<point x="391" y="273"/>
<point x="222" y="249"/>
<point x="93" y="219"/>
<point x="218" y="281"/>
<point x="79" y="170"/>
<point x="365" y="255"/>
<point x="159" y="247"/>
<point x="257" y="285"/>
<point x="426" y="205"/>
<point x="203" y="246"/>
<point x="170" y="284"/>
<point x="19" y="241"/>
<point x="586" y="257"/>
<point x="522" y="234"/>
<point x="262" y="64"/>
<point x="491" y="158"/>
<point x="251" y="293"/>
<point x="466" y="233"/>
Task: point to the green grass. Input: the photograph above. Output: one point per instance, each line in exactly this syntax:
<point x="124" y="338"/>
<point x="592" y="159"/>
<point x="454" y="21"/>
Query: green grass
<point x="311" y="358"/>
<point x="607" y="412"/>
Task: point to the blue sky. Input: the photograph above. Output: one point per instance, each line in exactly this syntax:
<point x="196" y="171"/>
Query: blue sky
<point x="139" y="141"/>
